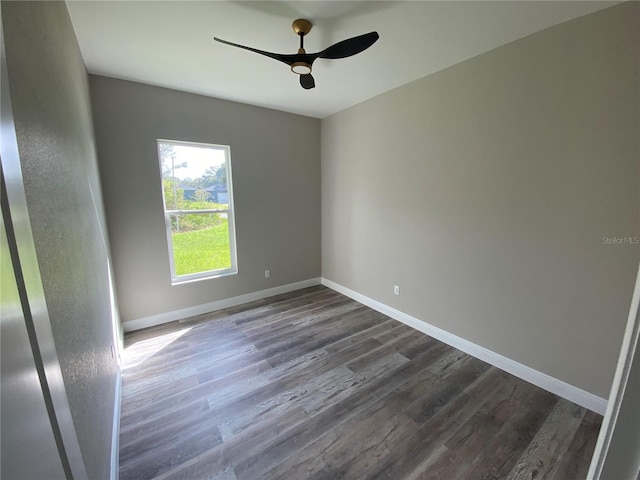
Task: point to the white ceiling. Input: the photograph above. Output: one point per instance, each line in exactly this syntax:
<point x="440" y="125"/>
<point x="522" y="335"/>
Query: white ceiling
<point x="170" y="43"/>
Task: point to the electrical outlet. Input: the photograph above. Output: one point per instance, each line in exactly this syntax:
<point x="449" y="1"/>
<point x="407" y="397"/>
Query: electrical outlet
<point x="267" y="273"/>
<point x="396" y="290"/>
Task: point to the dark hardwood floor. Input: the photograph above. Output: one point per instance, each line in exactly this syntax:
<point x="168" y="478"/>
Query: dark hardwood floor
<point x="313" y="385"/>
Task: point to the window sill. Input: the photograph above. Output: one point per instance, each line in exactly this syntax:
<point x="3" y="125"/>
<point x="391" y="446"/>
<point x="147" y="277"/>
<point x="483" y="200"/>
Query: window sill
<point x="201" y="276"/>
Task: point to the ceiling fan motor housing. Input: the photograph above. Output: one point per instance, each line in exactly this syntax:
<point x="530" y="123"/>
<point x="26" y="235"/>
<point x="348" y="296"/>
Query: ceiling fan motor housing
<point x="301" y="26"/>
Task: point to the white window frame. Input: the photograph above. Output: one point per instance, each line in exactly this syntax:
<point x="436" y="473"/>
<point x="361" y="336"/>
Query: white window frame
<point x="210" y="274"/>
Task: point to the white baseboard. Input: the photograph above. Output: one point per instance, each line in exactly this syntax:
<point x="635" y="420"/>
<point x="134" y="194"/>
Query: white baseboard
<point x="152" y="320"/>
<point x="558" y="387"/>
<point x="115" y="435"/>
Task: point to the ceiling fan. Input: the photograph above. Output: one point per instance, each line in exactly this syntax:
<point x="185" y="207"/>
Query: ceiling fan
<point x="302" y="61"/>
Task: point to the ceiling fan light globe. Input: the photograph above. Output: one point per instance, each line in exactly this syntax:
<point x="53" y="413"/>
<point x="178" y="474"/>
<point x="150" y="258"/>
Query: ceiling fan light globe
<point x="301" y="68"/>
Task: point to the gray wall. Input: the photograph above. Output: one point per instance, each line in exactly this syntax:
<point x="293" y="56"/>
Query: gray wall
<point x="51" y="108"/>
<point x="275" y="160"/>
<point x="485" y="190"/>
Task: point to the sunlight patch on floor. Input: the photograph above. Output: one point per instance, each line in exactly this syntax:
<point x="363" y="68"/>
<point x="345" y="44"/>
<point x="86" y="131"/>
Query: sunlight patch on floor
<point x="141" y="351"/>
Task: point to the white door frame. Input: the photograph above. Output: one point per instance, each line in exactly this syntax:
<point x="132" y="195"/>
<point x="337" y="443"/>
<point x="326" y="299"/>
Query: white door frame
<point x="625" y="361"/>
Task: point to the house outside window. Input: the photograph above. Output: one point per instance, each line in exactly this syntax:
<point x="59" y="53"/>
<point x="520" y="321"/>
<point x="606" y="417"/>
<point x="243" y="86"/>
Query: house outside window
<point x="198" y="209"/>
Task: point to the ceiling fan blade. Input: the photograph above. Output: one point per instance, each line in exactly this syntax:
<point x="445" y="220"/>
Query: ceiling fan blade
<point x="349" y="47"/>
<point x="288" y="59"/>
<point x="307" y="81"/>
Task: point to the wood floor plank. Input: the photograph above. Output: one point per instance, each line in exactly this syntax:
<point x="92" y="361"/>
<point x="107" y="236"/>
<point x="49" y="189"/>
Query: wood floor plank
<point x="330" y="417"/>
<point x="387" y="406"/>
<point x="505" y="448"/>
<point x="313" y="385"/>
<point x="435" y="399"/>
<point x="352" y="450"/>
<point x="184" y="447"/>
<point x="540" y="458"/>
<point x="391" y="346"/>
<point x="572" y="463"/>
<point x="318" y="389"/>
<point x="417" y="452"/>
<point x="255" y="450"/>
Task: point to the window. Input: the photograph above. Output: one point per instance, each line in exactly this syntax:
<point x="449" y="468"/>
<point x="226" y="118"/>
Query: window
<point x="198" y="209"/>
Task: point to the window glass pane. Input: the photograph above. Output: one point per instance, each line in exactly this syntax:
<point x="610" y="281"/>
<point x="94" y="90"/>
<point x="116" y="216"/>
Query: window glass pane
<point x="197" y="177"/>
<point x="200" y="242"/>
<point x="193" y="177"/>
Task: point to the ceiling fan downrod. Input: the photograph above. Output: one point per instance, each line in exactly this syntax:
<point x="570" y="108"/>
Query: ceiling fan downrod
<point x="301" y="27"/>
